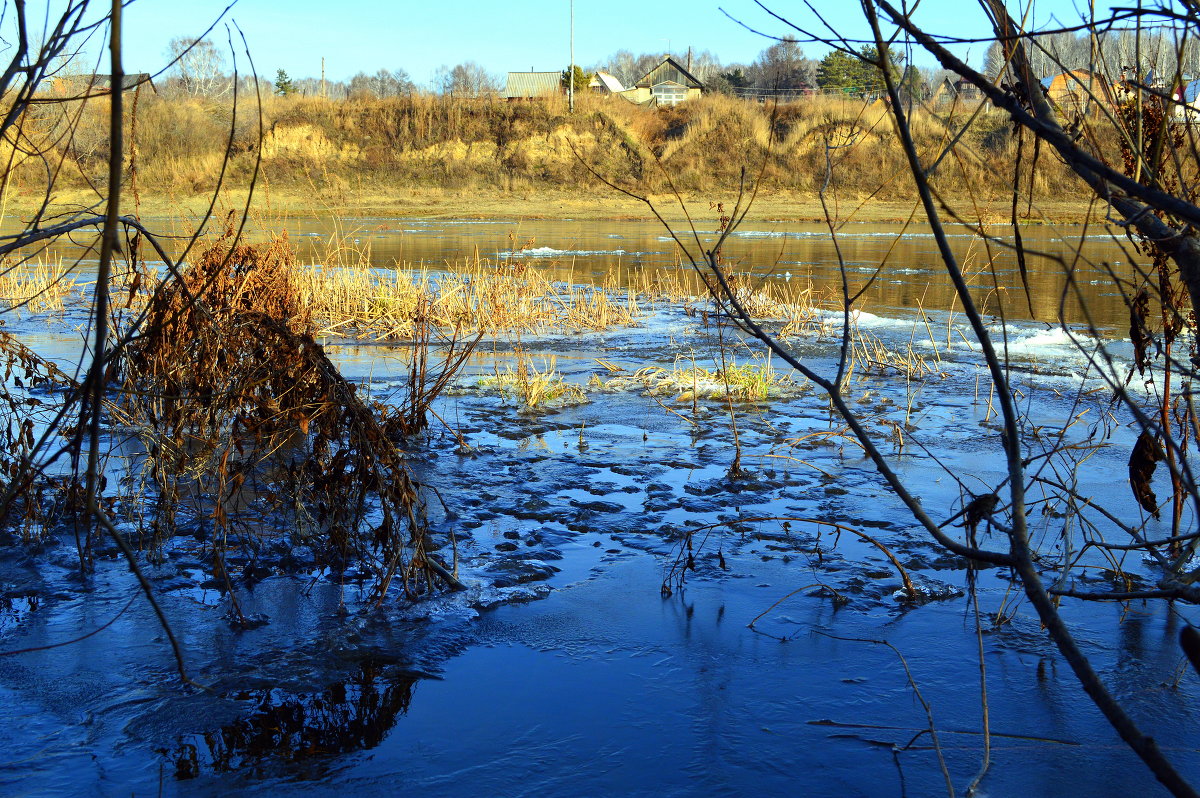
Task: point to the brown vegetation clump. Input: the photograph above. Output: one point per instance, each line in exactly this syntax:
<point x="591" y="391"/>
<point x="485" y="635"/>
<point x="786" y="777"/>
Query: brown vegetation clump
<point x="242" y="414"/>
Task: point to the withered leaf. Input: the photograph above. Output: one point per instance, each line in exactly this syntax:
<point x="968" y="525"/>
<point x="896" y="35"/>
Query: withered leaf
<point x="1189" y="641"/>
<point x="1139" y="308"/>
<point x="134" y="285"/>
<point x="1142" y="462"/>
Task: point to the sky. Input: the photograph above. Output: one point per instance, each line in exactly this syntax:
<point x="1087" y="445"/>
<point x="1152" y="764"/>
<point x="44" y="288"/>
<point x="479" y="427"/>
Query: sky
<point x="500" y="35"/>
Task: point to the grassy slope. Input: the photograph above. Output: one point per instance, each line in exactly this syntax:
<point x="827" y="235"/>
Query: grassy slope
<point x="424" y="156"/>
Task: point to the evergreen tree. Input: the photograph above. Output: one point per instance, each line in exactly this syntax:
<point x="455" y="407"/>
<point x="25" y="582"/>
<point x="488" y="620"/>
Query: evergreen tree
<point x="283" y="84"/>
<point x="840" y="70"/>
<point x="736" y="78"/>
<point x="582" y="79"/>
<point x="856" y="74"/>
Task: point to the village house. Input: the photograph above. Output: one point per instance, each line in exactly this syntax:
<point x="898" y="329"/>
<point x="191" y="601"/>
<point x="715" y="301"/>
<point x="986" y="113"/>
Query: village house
<point x="1078" y="90"/>
<point x="955" y="91"/>
<point x="666" y="84"/>
<point x="604" y="83"/>
<point x="100" y="84"/>
<point x="1187" y="103"/>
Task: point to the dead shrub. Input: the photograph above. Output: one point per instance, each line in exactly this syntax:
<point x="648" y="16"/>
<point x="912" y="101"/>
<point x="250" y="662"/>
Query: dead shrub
<point x="244" y="417"/>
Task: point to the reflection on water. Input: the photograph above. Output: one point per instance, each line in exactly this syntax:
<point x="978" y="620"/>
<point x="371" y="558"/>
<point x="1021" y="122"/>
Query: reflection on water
<point x="15" y="608"/>
<point x="291" y="727"/>
<point x="794" y="256"/>
<point x="605" y="688"/>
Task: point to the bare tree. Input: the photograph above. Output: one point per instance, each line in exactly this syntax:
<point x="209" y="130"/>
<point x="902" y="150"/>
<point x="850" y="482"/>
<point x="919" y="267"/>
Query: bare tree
<point x="467" y="79"/>
<point x="383" y="83"/>
<point x="1141" y="167"/>
<point x="187" y="317"/>
<point x="1147" y="183"/>
<point x="200" y="66"/>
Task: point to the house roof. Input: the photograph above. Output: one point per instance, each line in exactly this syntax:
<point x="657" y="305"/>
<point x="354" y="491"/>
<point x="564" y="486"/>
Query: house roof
<point x="130" y="81"/>
<point x="669" y="70"/>
<point x="533" y="84"/>
<point x="607" y="81"/>
<point x="1191" y="92"/>
<point x="1080" y="84"/>
<point x="1074" y="80"/>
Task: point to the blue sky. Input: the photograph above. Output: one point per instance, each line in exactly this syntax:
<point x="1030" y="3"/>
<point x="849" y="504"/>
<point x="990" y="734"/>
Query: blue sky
<point x="366" y="35"/>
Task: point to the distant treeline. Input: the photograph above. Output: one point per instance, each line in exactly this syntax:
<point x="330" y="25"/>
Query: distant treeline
<point x="780" y="72"/>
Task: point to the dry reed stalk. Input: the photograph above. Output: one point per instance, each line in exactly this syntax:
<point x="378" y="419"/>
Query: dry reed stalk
<point x="38" y="287"/>
<point x="476" y="296"/>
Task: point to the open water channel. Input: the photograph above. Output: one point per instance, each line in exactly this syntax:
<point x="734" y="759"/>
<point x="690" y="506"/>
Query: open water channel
<point x="565" y="669"/>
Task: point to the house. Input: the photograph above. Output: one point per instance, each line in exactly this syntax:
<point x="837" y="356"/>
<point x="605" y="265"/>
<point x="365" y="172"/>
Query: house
<point x="666" y="84"/>
<point x="1187" y="108"/>
<point x="955" y="91"/>
<point x="1077" y="90"/>
<point x="604" y="83"/>
<point x="129" y="82"/>
<point x="101" y="84"/>
<point x="523" y="85"/>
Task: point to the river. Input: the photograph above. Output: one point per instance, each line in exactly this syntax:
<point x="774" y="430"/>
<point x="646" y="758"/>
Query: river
<point x="566" y="668"/>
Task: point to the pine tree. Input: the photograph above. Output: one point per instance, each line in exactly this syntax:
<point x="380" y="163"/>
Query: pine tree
<point x="582" y="79"/>
<point x="283" y="84"/>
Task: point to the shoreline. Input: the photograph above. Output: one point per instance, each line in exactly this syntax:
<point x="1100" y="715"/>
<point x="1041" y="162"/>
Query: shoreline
<point x="270" y="204"/>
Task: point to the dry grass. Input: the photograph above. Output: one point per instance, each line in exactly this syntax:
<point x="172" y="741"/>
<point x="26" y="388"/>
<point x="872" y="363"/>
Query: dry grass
<point x="752" y="380"/>
<point x="37" y="287"/>
<point x="474" y="296"/>
<point x="531" y="386"/>
<point x="337" y="150"/>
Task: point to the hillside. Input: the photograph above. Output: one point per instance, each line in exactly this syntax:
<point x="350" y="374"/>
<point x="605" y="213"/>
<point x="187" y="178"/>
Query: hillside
<point x="408" y="155"/>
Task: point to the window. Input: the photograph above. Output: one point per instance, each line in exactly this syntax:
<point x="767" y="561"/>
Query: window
<point x="669" y="93"/>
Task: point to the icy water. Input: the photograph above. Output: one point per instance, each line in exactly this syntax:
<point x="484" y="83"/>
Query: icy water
<point x="566" y="669"/>
<point x="789" y="254"/>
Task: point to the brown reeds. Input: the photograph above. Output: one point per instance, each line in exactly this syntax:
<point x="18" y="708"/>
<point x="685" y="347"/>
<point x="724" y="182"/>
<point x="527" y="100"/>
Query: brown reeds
<point x="243" y="416"/>
<point x="474" y="296"/>
<point x="36" y="287"/>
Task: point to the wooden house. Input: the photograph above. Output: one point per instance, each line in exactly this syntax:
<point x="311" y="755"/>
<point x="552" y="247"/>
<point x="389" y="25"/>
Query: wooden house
<point x="604" y="83"/>
<point x="1079" y="90"/>
<point x="666" y="84"/>
<point x="100" y="84"/>
<point x="129" y="82"/>
<point x="960" y="91"/>
<point x="1187" y="103"/>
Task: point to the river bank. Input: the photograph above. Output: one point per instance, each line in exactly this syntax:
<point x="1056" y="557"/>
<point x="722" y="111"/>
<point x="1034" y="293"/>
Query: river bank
<point x="270" y="203"/>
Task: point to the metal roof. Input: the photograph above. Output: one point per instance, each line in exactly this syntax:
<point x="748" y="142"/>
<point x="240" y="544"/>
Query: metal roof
<point x="533" y="84"/>
<point x="129" y="81"/>
<point x="1191" y="92"/>
<point x="608" y="81"/>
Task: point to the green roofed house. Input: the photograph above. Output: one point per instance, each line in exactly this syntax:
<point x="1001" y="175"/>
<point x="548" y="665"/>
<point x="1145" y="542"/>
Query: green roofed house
<point x="666" y="84"/>
<point x="84" y="84"/>
<point x="523" y="85"/>
<point x="130" y="81"/>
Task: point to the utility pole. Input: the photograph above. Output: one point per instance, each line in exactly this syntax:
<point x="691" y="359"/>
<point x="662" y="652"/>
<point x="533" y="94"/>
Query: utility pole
<point x="323" y="76"/>
<point x="571" y="74"/>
